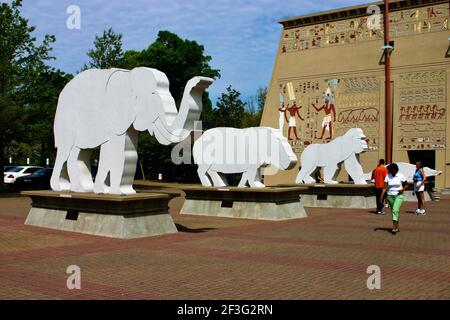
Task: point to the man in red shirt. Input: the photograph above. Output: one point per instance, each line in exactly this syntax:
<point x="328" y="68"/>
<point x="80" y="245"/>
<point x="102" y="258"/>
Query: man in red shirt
<point x="378" y="176"/>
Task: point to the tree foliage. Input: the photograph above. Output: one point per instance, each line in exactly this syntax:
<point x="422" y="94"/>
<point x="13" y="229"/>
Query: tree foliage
<point x="22" y="61"/>
<point x="107" y="52"/>
<point x="254" y="109"/>
<point x="230" y="109"/>
<point x="179" y="59"/>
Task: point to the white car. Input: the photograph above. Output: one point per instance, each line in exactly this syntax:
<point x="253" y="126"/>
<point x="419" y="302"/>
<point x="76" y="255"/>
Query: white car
<point x="14" y="173"/>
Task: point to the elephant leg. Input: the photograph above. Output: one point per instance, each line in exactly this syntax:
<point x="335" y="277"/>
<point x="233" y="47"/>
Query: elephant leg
<point x="100" y="186"/>
<point x="258" y="178"/>
<point x="244" y="180"/>
<point x="60" y="179"/>
<point x="131" y="157"/>
<point x="116" y="158"/>
<point x="254" y="178"/>
<point x="216" y="179"/>
<point x="329" y="173"/>
<point x="201" y="171"/>
<point x="224" y="178"/>
<point x="304" y="176"/>
<point x="79" y="168"/>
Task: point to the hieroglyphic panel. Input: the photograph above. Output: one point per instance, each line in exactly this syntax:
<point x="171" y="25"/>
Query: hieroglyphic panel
<point x="359" y="100"/>
<point x="323" y="109"/>
<point x="422" y="113"/>
<point x="402" y="23"/>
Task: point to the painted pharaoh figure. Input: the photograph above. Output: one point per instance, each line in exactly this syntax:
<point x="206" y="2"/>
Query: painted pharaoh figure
<point x="289" y="112"/>
<point x="294" y="111"/>
<point x="330" y="113"/>
<point x="282" y="112"/>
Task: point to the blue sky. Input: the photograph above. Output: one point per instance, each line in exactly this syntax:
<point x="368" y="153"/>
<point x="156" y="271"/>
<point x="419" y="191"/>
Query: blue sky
<point x="241" y="36"/>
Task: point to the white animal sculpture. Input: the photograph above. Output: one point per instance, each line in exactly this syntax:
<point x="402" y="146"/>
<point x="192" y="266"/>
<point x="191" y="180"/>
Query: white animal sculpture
<point x="331" y="155"/>
<point x="221" y="151"/>
<point x="106" y="109"/>
<point x="408" y="171"/>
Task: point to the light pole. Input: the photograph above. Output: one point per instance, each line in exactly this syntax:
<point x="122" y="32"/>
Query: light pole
<point x="387" y="73"/>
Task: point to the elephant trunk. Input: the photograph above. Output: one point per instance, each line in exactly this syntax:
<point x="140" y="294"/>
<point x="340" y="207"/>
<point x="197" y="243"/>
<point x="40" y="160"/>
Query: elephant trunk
<point x="176" y="127"/>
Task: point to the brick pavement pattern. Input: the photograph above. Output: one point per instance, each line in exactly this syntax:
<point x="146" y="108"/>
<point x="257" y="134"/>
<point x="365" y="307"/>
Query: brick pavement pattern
<point x="324" y="256"/>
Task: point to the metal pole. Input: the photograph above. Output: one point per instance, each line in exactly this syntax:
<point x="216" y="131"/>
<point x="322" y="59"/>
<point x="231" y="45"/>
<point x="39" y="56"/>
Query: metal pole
<point x="387" y="73"/>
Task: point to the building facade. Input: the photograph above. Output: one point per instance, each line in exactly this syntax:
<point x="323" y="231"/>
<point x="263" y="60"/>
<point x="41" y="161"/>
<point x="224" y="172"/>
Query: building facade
<point x="329" y="77"/>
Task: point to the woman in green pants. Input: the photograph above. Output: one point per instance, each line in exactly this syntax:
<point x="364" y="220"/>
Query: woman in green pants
<point x="394" y="186"/>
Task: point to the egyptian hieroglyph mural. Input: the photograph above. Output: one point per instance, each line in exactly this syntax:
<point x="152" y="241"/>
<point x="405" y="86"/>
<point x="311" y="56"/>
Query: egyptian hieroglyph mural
<point x="317" y="111"/>
<point x="403" y="23"/>
<point x="422" y="114"/>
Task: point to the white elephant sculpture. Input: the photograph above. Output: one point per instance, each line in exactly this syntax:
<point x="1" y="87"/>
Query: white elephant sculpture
<point x="331" y="155"/>
<point x="106" y="109"/>
<point x="222" y="151"/>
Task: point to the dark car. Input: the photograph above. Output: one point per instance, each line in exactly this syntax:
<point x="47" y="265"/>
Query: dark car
<point x="7" y="168"/>
<point x="39" y="180"/>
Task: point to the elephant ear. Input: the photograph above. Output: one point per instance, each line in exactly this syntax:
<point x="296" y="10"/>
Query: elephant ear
<point x="119" y="102"/>
<point x="152" y="98"/>
<point x="81" y="108"/>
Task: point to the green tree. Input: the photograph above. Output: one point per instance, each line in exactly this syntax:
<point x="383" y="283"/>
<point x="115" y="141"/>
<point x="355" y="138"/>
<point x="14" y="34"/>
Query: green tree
<point x="21" y="60"/>
<point x="107" y="52"/>
<point x="179" y="59"/>
<point x="255" y="107"/>
<point x="230" y="109"/>
<point x="39" y="111"/>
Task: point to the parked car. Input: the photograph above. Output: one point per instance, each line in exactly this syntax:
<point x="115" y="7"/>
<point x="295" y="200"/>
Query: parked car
<point x="11" y="175"/>
<point x="7" y="168"/>
<point x="39" y="180"/>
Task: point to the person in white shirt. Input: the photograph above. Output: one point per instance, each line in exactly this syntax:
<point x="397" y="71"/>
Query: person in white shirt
<point x="394" y="185"/>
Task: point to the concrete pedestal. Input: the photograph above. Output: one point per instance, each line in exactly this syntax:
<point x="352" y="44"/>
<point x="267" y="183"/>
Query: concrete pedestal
<point x="410" y="196"/>
<point x="338" y="196"/>
<point x="251" y="203"/>
<point x="124" y="217"/>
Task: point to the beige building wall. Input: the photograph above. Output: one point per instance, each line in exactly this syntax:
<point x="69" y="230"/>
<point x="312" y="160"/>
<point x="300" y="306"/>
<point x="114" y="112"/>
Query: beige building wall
<point x="343" y="55"/>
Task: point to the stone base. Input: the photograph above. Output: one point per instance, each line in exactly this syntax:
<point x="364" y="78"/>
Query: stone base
<point x="172" y="189"/>
<point x="338" y="196"/>
<point x="249" y="203"/>
<point x="410" y="196"/>
<point x="123" y="217"/>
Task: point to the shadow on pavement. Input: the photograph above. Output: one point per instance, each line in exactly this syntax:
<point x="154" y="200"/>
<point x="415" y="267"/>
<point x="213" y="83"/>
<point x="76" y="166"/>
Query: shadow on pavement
<point x="384" y="229"/>
<point x="182" y="228"/>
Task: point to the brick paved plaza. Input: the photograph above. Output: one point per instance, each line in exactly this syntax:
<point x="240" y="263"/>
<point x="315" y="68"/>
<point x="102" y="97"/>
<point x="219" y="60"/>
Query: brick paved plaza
<point x="324" y="256"/>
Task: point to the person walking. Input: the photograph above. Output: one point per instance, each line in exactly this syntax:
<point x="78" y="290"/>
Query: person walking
<point x="395" y="184"/>
<point x="378" y="176"/>
<point x="419" y="179"/>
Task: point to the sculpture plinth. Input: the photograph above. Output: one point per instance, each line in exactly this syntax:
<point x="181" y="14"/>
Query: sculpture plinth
<point x="124" y="217"/>
<point x="342" y="195"/>
<point x="268" y="203"/>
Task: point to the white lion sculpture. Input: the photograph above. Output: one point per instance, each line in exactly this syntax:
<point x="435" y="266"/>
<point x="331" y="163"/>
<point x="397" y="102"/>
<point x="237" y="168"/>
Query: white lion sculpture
<point x="228" y="150"/>
<point x="331" y="155"/>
